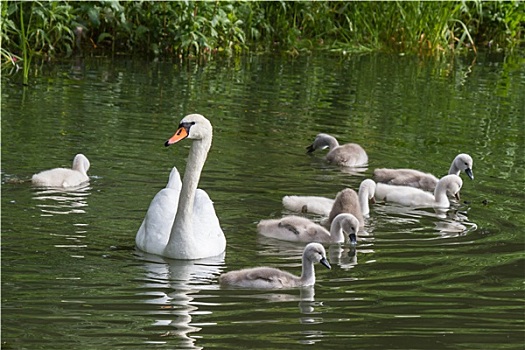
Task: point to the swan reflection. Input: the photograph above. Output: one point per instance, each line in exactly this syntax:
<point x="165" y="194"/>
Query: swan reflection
<point x="305" y="299"/>
<point x="354" y="171"/>
<point x="172" y="286"/>
<point x="448" y="222"/>
<point x="58" y="201"/>
<point x="343" y="255"/>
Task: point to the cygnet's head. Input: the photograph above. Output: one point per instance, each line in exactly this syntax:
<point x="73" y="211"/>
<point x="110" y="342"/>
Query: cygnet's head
<point x="316" y="253"/>
<point x="453" y="184"/>
<point x="349" y="224"/>
<point x="368" y="185"/>
<point x="80" y="162"/>
<point x="464" y="162"/>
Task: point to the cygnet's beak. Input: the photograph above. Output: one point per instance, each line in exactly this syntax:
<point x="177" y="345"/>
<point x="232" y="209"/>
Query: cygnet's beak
<point x="470" y="174"/>
<point x="325" y="263"/>
<point x="456" y="195"/>
<point x="353" y="238"/>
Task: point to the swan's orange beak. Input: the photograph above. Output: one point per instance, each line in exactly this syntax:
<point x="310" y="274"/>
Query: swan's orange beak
<point x="180" y="134"/>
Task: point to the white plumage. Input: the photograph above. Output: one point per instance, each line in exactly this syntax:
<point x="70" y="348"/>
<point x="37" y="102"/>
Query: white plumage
<point x="63" y="177"/>
<point x="181" y="222"/>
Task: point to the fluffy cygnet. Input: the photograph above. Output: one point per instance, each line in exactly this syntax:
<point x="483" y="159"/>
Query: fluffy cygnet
<point x="300" y="229"/>
<point x="63" y="177"/>
<point x="419" y="179"/>
<point x="272" y="278"/>
<point x="350" y="154"/>
<point x="415" y="197"/>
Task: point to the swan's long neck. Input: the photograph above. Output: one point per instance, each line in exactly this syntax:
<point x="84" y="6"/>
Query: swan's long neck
<point x="182" y="229"/>
<point x="308" y="274"/>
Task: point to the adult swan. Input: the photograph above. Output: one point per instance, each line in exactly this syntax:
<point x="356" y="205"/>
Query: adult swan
<point x="181" y="222"/>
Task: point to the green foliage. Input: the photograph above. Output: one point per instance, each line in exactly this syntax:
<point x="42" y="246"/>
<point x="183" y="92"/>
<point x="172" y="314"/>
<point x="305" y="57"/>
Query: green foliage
<point x="202" y="28"/>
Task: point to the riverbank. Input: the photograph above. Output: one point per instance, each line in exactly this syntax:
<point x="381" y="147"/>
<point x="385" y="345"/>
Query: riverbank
<point x="202" y="29"/>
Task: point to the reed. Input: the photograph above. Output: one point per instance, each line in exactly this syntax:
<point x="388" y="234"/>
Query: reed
<point x="187" y="29"/>
<point x="24" y="44"/>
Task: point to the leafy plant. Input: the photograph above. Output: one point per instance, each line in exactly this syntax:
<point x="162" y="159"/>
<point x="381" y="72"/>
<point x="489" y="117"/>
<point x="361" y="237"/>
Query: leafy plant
<point x="188" y="29"/>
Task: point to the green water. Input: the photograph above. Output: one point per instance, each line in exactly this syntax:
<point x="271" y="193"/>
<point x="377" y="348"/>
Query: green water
<point x="72" y="278"/>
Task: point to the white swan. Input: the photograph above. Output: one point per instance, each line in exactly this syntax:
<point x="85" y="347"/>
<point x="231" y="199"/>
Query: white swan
<point x="350" y="154"/>
<point x="272" y="278"/>
<point x="418" y="179"/>
<point x="62" y="177"/>
<point x="194" y="229"/>
<point x="300" y="229"/>
<point x="415" y="197"/>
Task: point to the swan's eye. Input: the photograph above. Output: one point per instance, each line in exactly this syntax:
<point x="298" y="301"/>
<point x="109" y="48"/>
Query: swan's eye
<point x="186" y="125"/>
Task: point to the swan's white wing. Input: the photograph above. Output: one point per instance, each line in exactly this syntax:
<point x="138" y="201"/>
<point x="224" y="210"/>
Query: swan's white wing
<point x="154" y="233"/>
<point x="174" y="181"/>
<point x="206" y="226"/>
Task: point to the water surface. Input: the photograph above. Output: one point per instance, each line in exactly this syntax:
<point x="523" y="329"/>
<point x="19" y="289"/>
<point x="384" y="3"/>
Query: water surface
<point x="72" y="278"/>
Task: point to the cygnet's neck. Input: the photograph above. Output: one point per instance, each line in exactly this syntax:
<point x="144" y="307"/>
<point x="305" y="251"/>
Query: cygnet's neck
<point x="336" y="230"/>
<point x="440" y="195"/>
<point x="331" y="142"/>
<point x="81" y="164"/>
<point x="454" y="169"/>
<point x="308" y="273"/>
<point x="365" y="193"/>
